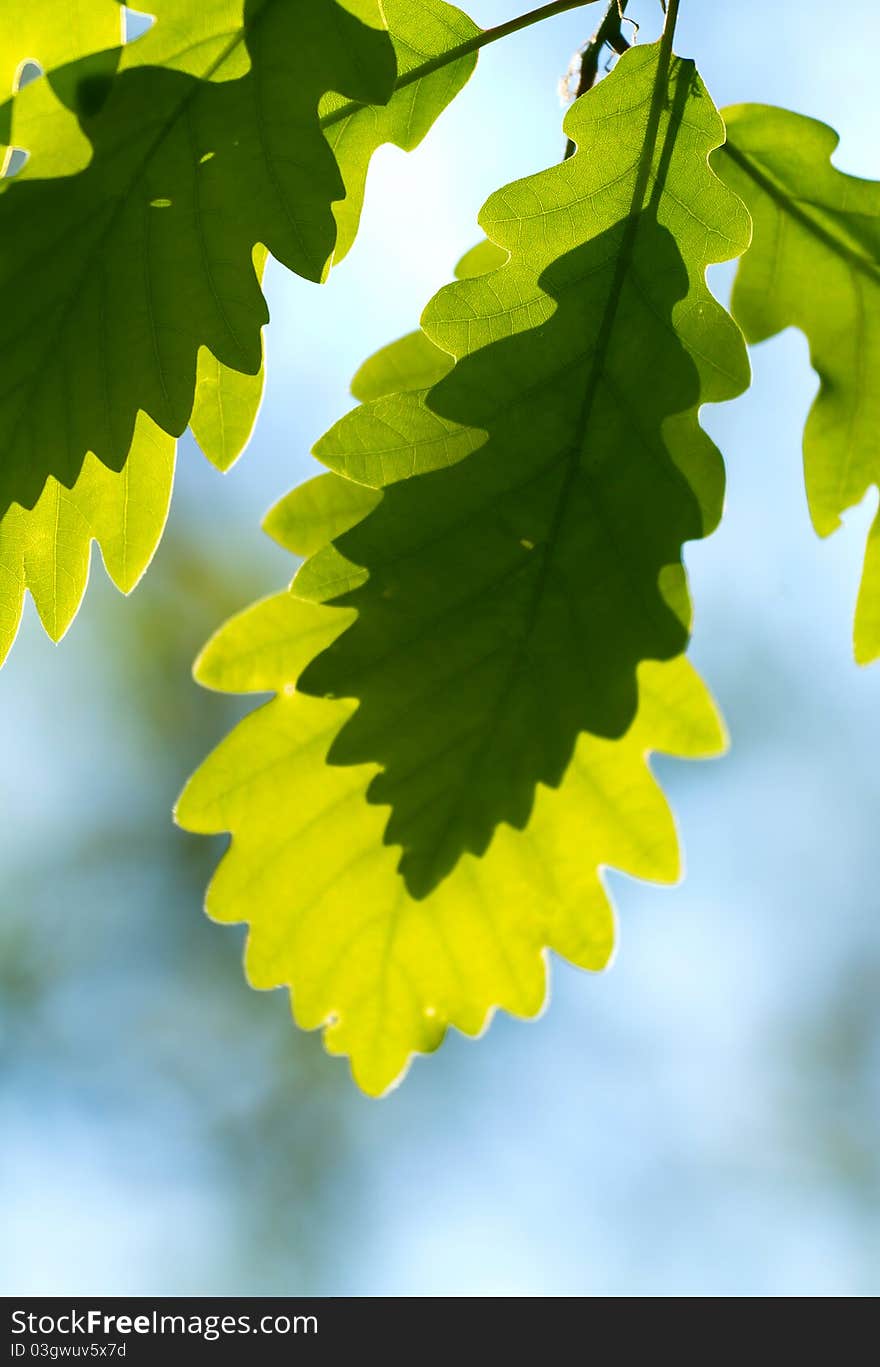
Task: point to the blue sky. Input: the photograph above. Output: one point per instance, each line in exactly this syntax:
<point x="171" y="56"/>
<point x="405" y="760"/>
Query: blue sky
<point x="703" y="1118"/>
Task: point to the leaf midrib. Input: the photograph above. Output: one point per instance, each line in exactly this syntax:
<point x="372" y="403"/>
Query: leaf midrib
<point x="787" y="204"/>
<point x="547" y="549"/>
<point x="121" y="203"/>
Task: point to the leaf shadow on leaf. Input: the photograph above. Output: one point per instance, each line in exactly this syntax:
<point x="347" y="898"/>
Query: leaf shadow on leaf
<point x="115" y="277"/>
<point x="84" y="85"/>
<point x="512" y="596"/>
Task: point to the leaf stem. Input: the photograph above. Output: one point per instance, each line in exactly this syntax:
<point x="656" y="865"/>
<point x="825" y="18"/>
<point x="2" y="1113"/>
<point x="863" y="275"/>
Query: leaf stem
<point x="607" y="32"/>
<point x="454" y="54"/>
<point x="657" y="100"/>
<point x="609" y="317"/>
<point x="576" y="466"/>
<point x="799" y="211"/>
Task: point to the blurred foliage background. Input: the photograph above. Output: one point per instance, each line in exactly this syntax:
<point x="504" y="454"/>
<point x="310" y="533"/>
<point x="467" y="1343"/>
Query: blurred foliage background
<point x="702" y="1119"/>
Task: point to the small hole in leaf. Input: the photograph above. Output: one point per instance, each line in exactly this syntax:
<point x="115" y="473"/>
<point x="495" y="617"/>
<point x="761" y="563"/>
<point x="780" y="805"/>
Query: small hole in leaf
<point x="28" y="71"/>
<point x="160" y="203"/>
<point x="15" y="161"/>
<point x="135" y="23"/>
<point x="206" y="156"/>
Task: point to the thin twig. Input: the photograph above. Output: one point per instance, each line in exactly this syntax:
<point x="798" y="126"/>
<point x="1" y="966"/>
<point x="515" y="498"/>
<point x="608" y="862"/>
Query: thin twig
<point x="608" y="33"/>
<point x="480" y="40"/>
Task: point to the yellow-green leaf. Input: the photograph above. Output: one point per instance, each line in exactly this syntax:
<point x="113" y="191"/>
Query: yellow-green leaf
<point x="420" y="31"/>
<point x="47" y="549"/>
<point x="385" y="974"/>
<point x="114" y="278"/>
<point x="526" y="553"/>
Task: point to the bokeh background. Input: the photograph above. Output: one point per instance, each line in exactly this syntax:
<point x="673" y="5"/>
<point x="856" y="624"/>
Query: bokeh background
<point x="702" y="1119"/>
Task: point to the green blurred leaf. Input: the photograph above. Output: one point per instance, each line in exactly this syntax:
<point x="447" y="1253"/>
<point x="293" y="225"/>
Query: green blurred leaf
<point x="506" y="595"/>
<point x="814" y="263"/>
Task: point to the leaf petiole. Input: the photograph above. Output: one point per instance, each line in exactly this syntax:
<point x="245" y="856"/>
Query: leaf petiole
<point x="454" y="54"/>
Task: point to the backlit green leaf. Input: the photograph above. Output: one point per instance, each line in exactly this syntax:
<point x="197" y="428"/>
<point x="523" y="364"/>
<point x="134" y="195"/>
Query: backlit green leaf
<point x="420" y="30"/>
<point x="330" y="916"/>
<point x="48" y="35"/>
<point x="311" y="516"/>
<point x="226" y="402"/>
<point x="52" y="33"/>
<point x="114" y="278"/>
<point x="507" y="593"/>
<point x="814" y="264"/>
<point x="225" y="410"/>
<point x="204" y="38"/>
<point x="47" y="549"/>
<point x="161" y="216"/>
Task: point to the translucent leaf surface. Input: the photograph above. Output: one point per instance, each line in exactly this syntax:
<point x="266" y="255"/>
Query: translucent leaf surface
<point x="42" y="37"/>
<point x="330" y="916"/>
<point x="526" y="554"/>
<point x="167" y="275"/>
<point x="420" y="30"/>
<point x="114" y="278"/>
<point x="814" y="264"/>
<point x="47" y="549"/>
